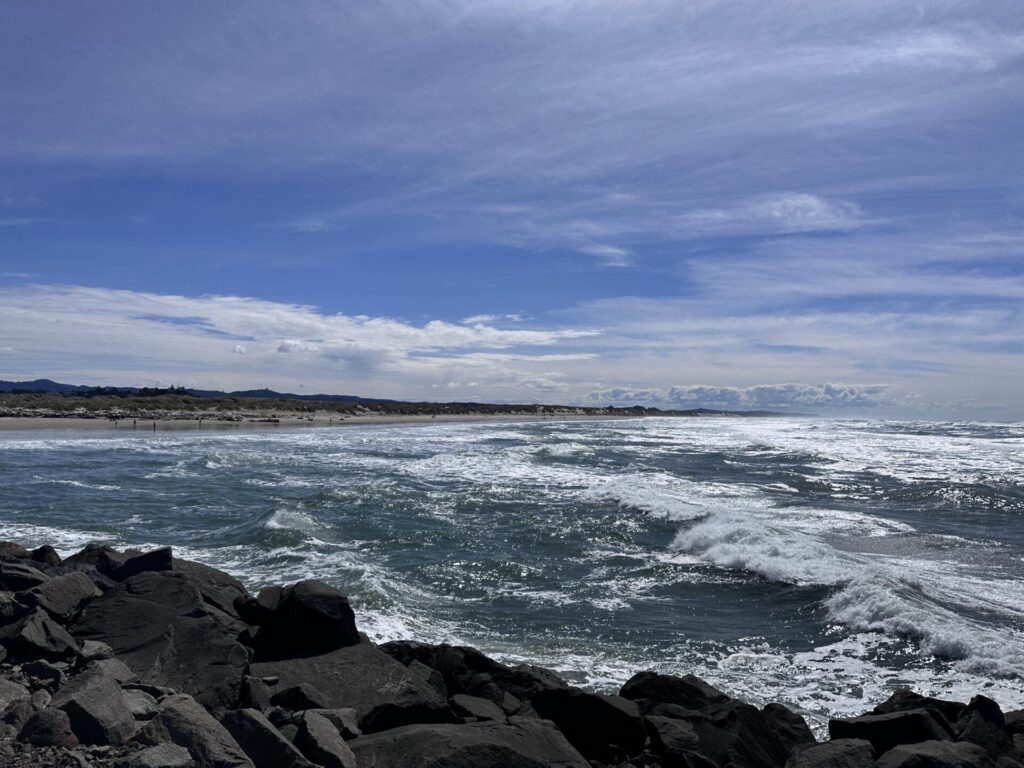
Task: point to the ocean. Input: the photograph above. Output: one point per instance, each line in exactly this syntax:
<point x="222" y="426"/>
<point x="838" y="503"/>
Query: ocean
<point x="814" y="562"/>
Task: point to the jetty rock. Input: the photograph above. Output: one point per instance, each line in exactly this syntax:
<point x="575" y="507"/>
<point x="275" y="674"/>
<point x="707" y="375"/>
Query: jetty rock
<point x="140" y="659"/>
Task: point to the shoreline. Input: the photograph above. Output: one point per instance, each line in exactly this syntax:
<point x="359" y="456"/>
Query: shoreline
<point x="227" y="679"/>
<point x="254" y="423"/>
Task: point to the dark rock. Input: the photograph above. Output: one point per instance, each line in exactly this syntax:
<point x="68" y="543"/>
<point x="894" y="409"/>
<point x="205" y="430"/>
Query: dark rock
<point x="11" y="549"/>
<point x="183" y="721"/>
<point x="311" y="619"/>
<point x="270" y="597"/>
<point x="159" y="625"/>
<point x="37" y="635"/>
<point x="738" y="735"/>
<point x="94" y="650"/>
<point x="890" y="730"/>
<point x="18" y="713"/>
<point x="219" y="590"/>
<point x="11" y="692"/>
<point x="255" y="694"/>
<point x="509" y="704"/>
<point x="320" y="741"/>
<point x="603" y="728"/>
<point x="49" y="727"/>
<point x="344" y="719"/>
<point x="905" y="699"/>
<point x="98" y="713"/>
<point x="109" y="561"/>
<point x="434" y="678"/>
<point x="11" y="609"/>
<point x="40" y="698"/>
<point x="261" y="741"/>
<point x="89" y="555"/>
<point x="383" y="692"/>
<point x="1014" y="721"/>
<point x="689" y="692"/>
<point x="788" y="725"/>
<point x="154" y="560"/>
<point x="299" y="697"/>
<point x="44" y="672"/>
<point x="466" y="670"/>
<point x="981" y="722"/>
<point x="140" y="704"/>
<point x="160" y="756"/>
<point x="464" y="705"/>
<point x="45" y="555"/>
<point x="522" y="743"/>
<point x="116" y="669"/>
<point x="671" y="737"/>
<point x="17" y="576"/>
<point x="158" y="692"/>
<point x="839" y="753"/>
<point x="936" y="754"/>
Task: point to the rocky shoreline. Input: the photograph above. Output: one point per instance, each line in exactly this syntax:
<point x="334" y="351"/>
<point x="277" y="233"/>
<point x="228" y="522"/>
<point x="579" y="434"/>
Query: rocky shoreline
<point x="144" y="660"/>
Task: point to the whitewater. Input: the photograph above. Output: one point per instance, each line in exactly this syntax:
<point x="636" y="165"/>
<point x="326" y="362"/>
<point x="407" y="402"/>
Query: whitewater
<point x="814" y="562"/>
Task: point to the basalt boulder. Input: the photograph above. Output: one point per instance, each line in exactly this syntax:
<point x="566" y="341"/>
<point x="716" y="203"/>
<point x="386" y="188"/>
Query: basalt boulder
<point x="37" y="635"/>
<point x="466" y="670"/>
<point x="261" y="741"/>
<point x="62" y="596"/>
<point x="183" y="721"/>
<point x="838" y="753"/>
<point x="728" y="731"/>
<point x="689" y="692"/>
<point x="892" y="729"/>
<point x="608" y="729"/>
<point x="522" y="743"/>
<point x="937" y="754"/>
<point x="159" y="625"/>
<point x="382" y="691"/>
<point x="309" y="618"/>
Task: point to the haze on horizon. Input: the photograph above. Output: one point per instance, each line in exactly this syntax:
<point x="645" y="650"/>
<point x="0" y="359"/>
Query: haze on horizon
<point x="791" y="205"/>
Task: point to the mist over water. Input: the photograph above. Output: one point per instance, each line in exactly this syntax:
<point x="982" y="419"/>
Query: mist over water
<point x="817" y="563"/>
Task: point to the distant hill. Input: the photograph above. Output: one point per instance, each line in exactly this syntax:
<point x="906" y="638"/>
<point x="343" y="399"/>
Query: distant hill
<point x="49" y="386"/>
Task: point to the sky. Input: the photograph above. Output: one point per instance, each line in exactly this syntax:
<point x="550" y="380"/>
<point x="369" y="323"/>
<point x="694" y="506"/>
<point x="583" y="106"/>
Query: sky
<point x="811" y="206"/>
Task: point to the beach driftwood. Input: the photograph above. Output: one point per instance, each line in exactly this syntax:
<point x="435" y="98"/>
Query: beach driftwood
<point x="144" y="660"/>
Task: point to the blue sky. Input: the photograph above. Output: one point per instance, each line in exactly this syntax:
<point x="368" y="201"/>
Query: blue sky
<point x="743" y="204"/>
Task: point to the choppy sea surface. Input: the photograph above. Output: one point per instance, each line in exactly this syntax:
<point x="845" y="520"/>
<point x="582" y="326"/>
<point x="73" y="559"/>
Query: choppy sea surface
<point x="818" y="563"/>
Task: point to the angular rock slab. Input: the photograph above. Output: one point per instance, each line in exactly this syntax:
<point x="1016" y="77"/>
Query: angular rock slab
<point x="383" y="692"/>
<point x="62" y="596"/>
<point x="183" y="721"/>
<point x="160" y="756"/>
<point x="523" y="743"/>
<point x="261" y="741"/>
<point x="159" y="625"/>
<point x="936" y="754"/>
<point x="320" y="741"/>
<point x="38" y="635"/>
<point x="309" y="618"/>
<point x="602" y="728"/>
<point x="891" y="730"/>
<point x="98" y="713"/>
<point x="50" y="727"/>
<point x="839" y="753"/>
<point x="466" y="670"/>
<point x="689" y="692"/>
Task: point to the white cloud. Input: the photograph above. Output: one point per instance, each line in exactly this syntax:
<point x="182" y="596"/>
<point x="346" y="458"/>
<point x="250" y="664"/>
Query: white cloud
<point x="608" y="255"/>
<point x="791" y="396"/>
<point x="773" y="214"/>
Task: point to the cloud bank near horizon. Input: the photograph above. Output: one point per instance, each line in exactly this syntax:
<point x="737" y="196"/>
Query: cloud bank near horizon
<point x="105" y="336"/>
